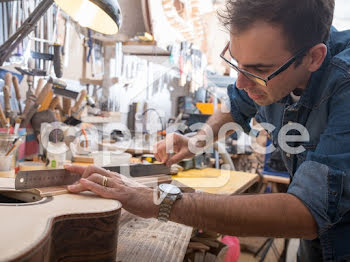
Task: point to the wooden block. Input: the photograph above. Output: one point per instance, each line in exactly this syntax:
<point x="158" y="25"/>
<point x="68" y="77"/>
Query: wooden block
<point x="83" y="159"/>
<point x="29" y="166"/>
<point x="276" y="179"/>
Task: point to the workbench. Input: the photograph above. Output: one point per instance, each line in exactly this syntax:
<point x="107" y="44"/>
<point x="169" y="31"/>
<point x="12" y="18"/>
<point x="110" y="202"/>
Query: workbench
<point x="150" y="240"/>
<point x="155" y="241"/>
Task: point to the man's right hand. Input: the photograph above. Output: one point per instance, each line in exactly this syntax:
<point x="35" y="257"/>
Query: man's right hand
<point x="172" y="149"/>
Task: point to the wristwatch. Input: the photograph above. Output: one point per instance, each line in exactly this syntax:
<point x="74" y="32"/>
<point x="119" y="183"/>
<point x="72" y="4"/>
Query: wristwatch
<point x="168" y="194"/>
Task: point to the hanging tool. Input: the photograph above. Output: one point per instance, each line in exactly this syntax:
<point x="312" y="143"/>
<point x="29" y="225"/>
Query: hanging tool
<point x="59" y="88"/>
<point x="56" y="58"/>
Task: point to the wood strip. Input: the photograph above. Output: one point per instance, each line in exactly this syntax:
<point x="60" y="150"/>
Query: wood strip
<point x="276" y="179"/>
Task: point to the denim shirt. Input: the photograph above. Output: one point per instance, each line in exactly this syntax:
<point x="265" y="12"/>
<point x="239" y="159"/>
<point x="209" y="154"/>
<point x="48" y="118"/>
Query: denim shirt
<point x="320" y="176"/>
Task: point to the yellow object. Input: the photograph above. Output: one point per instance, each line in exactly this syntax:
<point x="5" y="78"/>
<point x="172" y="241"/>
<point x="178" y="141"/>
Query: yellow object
<point x="46" y="103"/>
<point x="216" y="181"/>
<point x="8" y="174"/>
<point x="206" y="108"/>
<point x="30" y="166"/>
<point x="146" y="37"/>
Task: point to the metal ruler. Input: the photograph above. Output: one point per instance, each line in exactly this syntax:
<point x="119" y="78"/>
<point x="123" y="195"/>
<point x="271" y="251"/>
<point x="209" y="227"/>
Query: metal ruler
<point x="44" y="178"/>
<point x="60" y="177"/>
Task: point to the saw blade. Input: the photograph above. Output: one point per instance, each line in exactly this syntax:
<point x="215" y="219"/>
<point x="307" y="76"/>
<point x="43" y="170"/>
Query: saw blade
<point x="44" y="178"/>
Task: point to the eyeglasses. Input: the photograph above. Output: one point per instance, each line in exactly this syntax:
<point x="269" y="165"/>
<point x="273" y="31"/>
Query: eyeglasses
<point x="257" y="79"/>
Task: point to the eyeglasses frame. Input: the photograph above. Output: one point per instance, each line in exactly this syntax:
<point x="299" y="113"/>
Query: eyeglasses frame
<point x="282" y="68"/>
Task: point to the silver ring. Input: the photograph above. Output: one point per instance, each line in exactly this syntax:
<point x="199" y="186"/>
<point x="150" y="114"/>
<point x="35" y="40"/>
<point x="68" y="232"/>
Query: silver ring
<point x="105" y="180"/>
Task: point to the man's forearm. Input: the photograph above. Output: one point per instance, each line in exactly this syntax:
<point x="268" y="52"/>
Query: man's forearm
<point x="270" y="215"/>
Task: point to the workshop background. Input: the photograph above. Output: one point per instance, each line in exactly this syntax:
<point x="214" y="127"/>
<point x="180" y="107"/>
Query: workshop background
<point x="71" y="94"/>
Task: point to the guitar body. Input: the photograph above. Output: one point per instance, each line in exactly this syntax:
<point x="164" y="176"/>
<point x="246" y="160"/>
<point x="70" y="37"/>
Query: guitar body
<point x="65" y="227"/>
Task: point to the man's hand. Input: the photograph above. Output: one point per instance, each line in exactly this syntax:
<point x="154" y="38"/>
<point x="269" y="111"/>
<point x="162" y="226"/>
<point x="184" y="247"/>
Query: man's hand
<point x="135" y="197"/>
<point x="173" y="149"/>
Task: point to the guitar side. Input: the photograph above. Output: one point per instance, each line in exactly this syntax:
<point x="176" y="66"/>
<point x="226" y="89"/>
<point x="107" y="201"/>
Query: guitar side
<point x="62" y="228"/>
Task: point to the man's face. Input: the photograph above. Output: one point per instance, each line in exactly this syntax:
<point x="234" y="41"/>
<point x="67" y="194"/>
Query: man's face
<point x="261" y="50"/>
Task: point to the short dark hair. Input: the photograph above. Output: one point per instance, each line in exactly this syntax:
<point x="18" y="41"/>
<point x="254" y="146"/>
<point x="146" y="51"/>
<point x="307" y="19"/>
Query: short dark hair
<point x="304" y="22"/>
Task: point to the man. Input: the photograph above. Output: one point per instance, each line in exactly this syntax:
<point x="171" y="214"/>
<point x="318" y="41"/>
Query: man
<point x="291" y="70"/>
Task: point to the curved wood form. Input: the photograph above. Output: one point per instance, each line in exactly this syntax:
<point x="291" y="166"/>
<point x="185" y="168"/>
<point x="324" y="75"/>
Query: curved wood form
<point x="78" y="238"/>
<point x="62" y="228"/>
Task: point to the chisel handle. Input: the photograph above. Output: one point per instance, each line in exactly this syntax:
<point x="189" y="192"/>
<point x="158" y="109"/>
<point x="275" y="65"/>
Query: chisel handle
<point x="43" y="93"/>
<point x="77" y="105"/>
<point x="55" y="101"/>
<point x="8" y="79"/>
<point x="40" y="85"/>
<point x="7" y="97"/>
<point x="57" y="60"/>
<point x="16" y="87"/>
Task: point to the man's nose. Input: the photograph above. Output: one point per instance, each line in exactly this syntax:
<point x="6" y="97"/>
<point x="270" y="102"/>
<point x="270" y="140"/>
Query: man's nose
<point x="244" y="82"/>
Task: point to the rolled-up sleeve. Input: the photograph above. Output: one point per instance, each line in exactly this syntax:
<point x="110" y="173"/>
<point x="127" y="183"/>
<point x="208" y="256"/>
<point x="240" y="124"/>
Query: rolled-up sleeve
<point x="242" y="107"/>
<point x="322" y="181"/>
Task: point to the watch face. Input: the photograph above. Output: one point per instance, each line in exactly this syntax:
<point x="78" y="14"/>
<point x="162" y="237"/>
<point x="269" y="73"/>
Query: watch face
<point x="170" y="189"/>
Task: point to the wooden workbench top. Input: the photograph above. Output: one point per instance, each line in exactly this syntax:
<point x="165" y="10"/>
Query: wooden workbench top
<point x="216" y="181"/>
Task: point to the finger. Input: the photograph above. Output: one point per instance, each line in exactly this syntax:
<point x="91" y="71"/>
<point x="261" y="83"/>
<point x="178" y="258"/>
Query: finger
<point x="94" y="169"/>
<point x="76" y="188"/>
<point x="102" y="191"/>
<point x="96" y="178"/>
<point x="161" y="152"/>
<point x="176" y="158"/>
<point x="75" y="169"/>
<point x="155" y="152"/>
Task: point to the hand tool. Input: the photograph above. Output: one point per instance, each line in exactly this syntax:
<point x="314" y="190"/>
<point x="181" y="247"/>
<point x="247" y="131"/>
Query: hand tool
<point x="7" y="106"/>
<point x="77" y="110"/>
<point x="46" y="102"/>
<point x="67" y="105"/>
<point x="18" y="93"/>
<point x="15" y="144"/>
<point x="55" y="101"/>
<point x="39" y="86"/>
<point x="78" y="103"/>
<point x="59" y="88"/>
<point x="44" y="178"/>
<point x="60" y="177"/>
<point x="34" y="106"/>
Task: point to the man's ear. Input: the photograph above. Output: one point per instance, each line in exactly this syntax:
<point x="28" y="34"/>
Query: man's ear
<point x="316" y="56"/>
